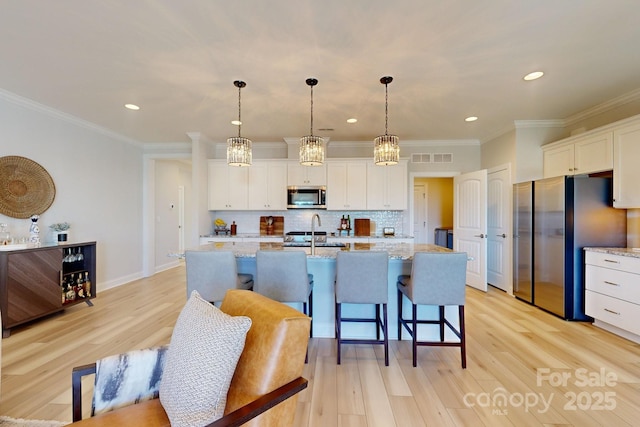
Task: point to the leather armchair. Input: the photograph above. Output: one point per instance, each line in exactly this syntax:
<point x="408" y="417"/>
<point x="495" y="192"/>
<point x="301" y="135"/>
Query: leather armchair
<point x="266" y="380"/>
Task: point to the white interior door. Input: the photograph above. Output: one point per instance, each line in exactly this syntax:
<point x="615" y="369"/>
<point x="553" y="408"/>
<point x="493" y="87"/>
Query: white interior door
<point x="470" y="224"/>
<point x="499" y="228"/>
<point x="420" y="214"/>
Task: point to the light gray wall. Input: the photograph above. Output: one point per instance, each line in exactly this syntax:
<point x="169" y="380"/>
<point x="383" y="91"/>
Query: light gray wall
<point x="98" y="180"/>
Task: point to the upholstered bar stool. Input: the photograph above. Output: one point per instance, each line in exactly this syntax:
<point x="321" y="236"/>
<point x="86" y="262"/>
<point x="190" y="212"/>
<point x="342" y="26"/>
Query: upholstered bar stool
<point x="282" y="276"/>
<point x="437" y="279"/>
<point x="361" y="278"/>
<point x="212" y="273"/>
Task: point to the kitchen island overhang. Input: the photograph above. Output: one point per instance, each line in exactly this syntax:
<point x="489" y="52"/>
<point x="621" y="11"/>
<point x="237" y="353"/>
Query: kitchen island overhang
<point x="323" y="267"/>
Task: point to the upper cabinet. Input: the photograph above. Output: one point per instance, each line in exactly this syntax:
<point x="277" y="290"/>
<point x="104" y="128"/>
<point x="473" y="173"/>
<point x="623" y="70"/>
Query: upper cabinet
<point x="268" y="185"/>
<point x="347" y="185"/>
<point x="228" y="186"/>
<point x="387" y="186"/>
<point x="580" y="155"/>
<point x="302" y="176"/>
<point x="626" y="172"/>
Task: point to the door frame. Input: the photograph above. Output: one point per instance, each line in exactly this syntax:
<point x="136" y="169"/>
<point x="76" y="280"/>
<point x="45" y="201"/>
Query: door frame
<point x="412" y="178"/>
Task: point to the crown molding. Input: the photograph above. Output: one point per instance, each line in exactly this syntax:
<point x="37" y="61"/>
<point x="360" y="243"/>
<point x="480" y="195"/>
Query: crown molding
<point x="619" y="101"/>
<point x="57" y="114"/>
<point x="533" y="124"/>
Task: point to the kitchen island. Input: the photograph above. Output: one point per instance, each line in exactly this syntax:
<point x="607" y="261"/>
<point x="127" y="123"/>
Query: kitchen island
<point x="322" y="266"/>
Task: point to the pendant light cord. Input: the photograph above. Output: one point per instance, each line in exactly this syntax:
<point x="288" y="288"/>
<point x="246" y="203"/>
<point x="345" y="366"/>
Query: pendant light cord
<point x="239" y="110"/>
<point x="311" y="129"/>
<point x="386" y="108"/>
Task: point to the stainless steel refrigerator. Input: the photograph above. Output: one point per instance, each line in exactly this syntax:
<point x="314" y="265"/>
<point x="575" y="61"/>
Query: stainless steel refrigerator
<point x="523" y="241"/>
<point x="567" y="214"/>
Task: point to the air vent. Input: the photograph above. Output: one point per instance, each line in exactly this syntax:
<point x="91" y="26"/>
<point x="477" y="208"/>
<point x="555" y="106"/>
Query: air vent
<point x="432" y="158"/>
<point x="442" y="158"/>
<point x="421" y="158"/>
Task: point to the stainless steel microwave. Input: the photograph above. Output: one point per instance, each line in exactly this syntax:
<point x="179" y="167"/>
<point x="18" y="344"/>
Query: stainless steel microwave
<point x="306" y="197"/>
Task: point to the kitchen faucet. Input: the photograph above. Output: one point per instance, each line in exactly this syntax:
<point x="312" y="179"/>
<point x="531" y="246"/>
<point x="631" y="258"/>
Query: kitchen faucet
<point x="313" y="233"/>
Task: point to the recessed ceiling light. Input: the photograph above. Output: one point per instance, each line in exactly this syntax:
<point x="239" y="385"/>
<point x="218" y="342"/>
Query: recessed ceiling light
<point x="533" y="76"/>
<point x="471" y="119"/>
<point x="236" y="122"/>
<point x="352" y="120"/>
<point x="132" y="107"/>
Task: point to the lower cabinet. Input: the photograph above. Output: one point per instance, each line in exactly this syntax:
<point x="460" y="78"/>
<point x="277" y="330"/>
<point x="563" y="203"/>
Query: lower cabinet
<point x="612" y="294"/>
<point x="40" y="281"/>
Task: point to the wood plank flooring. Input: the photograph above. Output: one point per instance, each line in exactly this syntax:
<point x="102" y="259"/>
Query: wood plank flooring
<point x="524" y="367"/>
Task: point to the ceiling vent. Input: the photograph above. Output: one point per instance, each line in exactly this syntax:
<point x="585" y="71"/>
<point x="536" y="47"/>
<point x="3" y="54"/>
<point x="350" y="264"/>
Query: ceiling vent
<point x="421" y="158"/>
<point x="432" y="158"/>
<point x="442" y="158"/>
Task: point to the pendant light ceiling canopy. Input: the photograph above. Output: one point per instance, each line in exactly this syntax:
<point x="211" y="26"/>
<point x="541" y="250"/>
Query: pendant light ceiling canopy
<point x="239" y="148"/>
<point x="311" y="147"/>
<point x="386" y="151"/>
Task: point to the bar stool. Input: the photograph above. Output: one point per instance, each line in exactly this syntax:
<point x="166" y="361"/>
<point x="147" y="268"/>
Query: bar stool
<point x="436" y="279"/>
<point x="282" y="276"/>
<point x="212" y="273"/>
<point x="361" y="278"/>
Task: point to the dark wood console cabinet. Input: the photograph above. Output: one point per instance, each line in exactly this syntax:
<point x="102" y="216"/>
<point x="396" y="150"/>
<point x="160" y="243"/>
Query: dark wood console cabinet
<point x="31" y="281"/>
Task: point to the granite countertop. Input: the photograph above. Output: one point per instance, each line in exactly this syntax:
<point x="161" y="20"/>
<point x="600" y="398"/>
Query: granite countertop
<point x="401" y="251"/>
<point x="630" y="252"/>
<point x="280" y="236"/>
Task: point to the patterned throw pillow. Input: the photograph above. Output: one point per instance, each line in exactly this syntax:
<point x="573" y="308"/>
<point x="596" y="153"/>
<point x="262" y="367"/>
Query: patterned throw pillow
<point x="127" y="378"/>
<point x="202" y="357"/>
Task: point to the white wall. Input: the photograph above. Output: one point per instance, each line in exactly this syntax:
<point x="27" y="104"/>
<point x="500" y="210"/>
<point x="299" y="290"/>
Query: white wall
<point x="98" y="179"/>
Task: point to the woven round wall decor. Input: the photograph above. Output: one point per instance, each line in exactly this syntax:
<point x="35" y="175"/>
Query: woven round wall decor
<point x="26" y="188"/>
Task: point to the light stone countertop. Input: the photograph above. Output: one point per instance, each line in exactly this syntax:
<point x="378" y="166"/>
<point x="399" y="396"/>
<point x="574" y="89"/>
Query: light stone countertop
<point x="630" y="252"/>
<point x="401" y="251"/>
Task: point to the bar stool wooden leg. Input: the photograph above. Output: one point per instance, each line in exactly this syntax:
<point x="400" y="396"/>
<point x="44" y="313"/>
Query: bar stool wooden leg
<point x="400" y="295"/>
<point x="414" y="334"/>
<point x="338" y="332"/>
<point x="441" y="309"/>
<point x="463" y="344"/>
<point x="386" y="335"/>
<point x="378" y="322"/>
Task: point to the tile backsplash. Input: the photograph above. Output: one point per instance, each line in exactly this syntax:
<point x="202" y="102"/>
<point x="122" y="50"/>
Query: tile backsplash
<point x="300" y="220"/>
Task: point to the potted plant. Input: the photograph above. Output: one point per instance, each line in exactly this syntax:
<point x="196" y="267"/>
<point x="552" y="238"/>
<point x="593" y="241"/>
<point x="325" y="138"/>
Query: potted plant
<point x="61" y="229"/>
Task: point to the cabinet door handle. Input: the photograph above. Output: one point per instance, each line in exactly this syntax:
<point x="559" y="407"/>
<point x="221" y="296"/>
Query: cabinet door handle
<point x="611" y="283"/>
<point x="504" y="236"/>
<point x="612" y="312"/>
<point x="612" y="260"/>
<point x="479" y="235"/>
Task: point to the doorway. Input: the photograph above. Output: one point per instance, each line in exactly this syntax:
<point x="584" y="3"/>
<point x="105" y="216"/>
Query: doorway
<point x="432" y="207"/>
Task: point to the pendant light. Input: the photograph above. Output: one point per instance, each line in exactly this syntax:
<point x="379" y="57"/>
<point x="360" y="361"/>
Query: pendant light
<point x="239" y="148"/>
<point x="311" y="147"/>
<point x="386" y="151"/>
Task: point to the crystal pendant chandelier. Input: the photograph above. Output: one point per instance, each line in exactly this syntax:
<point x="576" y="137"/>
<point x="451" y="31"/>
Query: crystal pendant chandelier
<point x="311" y="147"/>
<point x="386" y="150"/>
<point x="239" y="148"/>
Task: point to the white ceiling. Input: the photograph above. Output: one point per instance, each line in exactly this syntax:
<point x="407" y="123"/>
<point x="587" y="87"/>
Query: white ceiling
<point x="449" y="59"/>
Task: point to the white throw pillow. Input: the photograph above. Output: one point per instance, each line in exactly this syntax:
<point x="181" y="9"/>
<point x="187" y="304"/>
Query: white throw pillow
<point x="202" y="357"/>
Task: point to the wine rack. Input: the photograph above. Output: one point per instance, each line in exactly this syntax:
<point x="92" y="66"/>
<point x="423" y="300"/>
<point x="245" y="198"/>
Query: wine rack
<point x="35" y="282"/>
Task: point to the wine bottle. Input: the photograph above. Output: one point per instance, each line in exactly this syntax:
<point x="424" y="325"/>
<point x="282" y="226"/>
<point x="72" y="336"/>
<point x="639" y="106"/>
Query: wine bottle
<point x="87" y="284"/>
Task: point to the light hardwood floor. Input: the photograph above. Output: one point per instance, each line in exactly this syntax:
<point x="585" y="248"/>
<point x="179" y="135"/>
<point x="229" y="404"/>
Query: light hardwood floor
<point x="537" y="362"/>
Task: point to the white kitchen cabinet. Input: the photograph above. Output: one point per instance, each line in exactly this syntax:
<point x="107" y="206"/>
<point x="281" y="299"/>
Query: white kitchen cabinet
<point x="347" y="185"/>
<point x="387" y="186"/>
<point x="268" y="185"/>
<point x="582" y="154"/>
<point x="612" y="294"/>
<point x="304" y="176"/>
<point x="626" y="168"/>
<point x="228" y="186"/>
